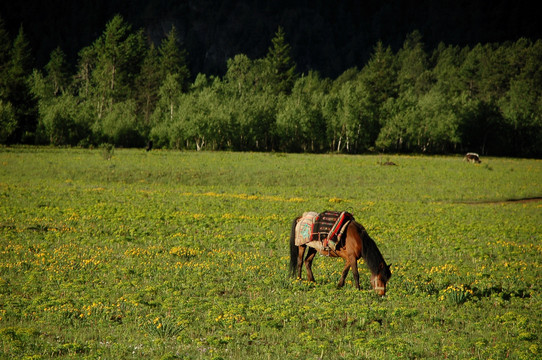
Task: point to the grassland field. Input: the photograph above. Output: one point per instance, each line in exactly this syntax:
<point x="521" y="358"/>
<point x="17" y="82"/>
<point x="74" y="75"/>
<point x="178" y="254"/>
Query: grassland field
<point x="184" y="255"/>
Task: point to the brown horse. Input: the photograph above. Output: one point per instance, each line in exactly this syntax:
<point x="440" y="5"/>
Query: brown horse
<point x="355" y="244"/>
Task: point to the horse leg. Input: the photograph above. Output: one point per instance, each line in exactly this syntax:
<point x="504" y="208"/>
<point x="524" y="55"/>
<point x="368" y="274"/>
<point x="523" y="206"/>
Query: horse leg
<point x="308" y="263"/>
<point x="350" y="263"/>
<point x="300" y="260"/>
<point x="345" y="272"/>
<point x="354" y="265"/>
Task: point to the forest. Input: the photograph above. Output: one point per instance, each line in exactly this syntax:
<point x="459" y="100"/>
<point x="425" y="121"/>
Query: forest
<point x="126" y="91"/>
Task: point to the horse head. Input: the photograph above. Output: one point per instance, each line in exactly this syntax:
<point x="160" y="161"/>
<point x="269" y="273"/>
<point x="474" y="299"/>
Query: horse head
<point x="381" y="278"/>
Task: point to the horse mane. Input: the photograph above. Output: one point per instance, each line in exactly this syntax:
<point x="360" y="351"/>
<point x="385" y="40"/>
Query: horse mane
<point x="370" y="253"/>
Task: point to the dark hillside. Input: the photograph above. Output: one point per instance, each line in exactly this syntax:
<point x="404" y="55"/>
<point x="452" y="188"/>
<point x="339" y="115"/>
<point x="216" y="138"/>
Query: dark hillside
<point x="328" y="36"/>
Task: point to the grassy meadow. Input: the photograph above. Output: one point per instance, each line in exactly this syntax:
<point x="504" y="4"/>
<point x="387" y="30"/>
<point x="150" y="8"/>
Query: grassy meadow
<point x="184" y="255"/>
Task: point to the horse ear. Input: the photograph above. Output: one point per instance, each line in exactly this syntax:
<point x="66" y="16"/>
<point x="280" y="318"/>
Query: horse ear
<point x="389" y="266"/>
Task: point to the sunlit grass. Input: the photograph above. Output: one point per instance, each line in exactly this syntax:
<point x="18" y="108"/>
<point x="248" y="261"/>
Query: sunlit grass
<point x="184" y="255"/>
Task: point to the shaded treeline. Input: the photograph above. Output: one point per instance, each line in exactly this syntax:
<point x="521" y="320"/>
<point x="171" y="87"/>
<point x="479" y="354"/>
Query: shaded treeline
<point x="485" y="98"/>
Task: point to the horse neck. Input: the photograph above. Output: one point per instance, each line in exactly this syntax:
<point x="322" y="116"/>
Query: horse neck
<point x="370" y="253"/>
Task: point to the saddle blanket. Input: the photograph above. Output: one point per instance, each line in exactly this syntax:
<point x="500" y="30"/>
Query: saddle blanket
<point x="321" y="230"/>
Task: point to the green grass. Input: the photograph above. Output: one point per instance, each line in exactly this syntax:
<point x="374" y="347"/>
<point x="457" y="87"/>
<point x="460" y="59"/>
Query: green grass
<point x="183" y="255"/>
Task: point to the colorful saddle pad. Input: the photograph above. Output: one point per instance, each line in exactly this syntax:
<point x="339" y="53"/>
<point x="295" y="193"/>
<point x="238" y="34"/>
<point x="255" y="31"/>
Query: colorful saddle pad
<point x="326" y="227"/>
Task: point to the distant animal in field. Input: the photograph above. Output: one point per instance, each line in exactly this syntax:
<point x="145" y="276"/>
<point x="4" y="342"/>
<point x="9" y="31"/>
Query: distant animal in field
<point x="342" y="237"/>
<point x="149" y="146"/>
<point x="472" y="157"/>
<point x="387" y="162"/>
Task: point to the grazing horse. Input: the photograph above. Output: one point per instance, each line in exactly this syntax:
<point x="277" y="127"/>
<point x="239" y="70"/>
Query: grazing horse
<point x="473" y="158"/>
<point x="354" y="244"/>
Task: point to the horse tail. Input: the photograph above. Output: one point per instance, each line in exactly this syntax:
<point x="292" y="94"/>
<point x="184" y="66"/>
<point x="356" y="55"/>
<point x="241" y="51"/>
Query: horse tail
<point x="294" y="250"/>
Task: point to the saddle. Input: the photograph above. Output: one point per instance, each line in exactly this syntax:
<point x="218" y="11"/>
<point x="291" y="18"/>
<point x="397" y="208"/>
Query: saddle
<point x="327" y="227"/>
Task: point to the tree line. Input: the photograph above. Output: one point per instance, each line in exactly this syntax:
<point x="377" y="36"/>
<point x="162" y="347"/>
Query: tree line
<point x="126" y="91"/>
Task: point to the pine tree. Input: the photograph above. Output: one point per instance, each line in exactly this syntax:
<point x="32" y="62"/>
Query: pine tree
<point x="173" y="59"/>
<point x="148" y="84"/>
<point x="447" y="60"/>
<point x="379" y="76"/>
<point x="413" y="74"/>
<point x="119" y="53"/>
<point x="5" y="46"/>
<point x="18" y="94"/>
<point x="379" y="83"/>
<point x="281" y="67"/>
